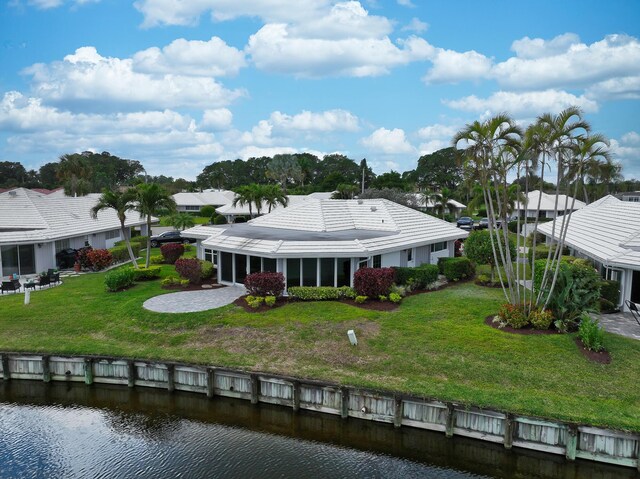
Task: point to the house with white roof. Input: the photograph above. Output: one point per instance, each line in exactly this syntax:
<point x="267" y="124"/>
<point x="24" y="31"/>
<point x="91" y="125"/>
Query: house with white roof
<point x="322" y="242"/>
<point x="35" y="226"/>
<point x="548" y="206"/>
<point x="192" y="202"/>
<point x="231" y="212"/>
<point x="607" y="232"/>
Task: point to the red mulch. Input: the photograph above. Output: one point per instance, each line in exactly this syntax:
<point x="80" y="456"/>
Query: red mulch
<point x="193" y="287"/>
<point x="526" y="330"/>
<point x="602" y="357"/>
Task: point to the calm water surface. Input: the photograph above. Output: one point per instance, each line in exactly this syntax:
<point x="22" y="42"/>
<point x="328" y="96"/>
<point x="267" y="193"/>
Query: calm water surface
<point x="76" y="431"/>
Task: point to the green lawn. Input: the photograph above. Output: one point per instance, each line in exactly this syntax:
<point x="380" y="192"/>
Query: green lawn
<point x="434" y="345"/>
<point x="198" y="220"/>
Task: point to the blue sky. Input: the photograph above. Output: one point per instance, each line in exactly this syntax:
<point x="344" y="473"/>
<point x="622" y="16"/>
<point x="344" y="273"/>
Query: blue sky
<point x="179" y="85"/>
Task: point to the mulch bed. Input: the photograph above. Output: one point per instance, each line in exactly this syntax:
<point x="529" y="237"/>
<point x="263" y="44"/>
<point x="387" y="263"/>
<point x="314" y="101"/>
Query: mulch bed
<point x="194" y="287"/>
<point x="371" y="305"/>
<point x="528" y="330"/>
<point x="241" y="301"/>
<point x="602" y="357"/>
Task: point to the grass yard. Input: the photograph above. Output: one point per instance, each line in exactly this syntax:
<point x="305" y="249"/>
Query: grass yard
<point x="198" y="220"/>
<point x="434" y="345"/>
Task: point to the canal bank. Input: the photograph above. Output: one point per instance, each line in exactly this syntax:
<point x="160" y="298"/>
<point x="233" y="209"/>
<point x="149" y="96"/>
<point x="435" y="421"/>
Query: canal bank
<point x="573" y="441"/>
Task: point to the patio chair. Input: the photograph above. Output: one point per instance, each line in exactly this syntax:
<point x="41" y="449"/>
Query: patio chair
<point x="44" y="281"/>
<point x="54" y="277"/>
<point x="633" y="307"/>
<point x="11" y="285"/>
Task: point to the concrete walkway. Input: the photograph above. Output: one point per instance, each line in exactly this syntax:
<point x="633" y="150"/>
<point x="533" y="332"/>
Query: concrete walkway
<point x="620" y="323"/>
<point x="192" y="301"/>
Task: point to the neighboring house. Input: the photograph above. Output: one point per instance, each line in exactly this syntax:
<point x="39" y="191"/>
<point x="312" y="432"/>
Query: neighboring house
<point x="323" y="242"/>
<point x="454" y="208"/>
<point x="193" y="202"/>
<point x="548" y="206"/>
<point x="629" y="196"/>
<point x="231" y="212"/>
<point x="607" y="232"/>
<point x="35" y="226"/>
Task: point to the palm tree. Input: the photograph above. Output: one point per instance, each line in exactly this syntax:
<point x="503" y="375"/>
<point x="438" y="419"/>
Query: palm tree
<point x="75" y="172"/>
<point x="591" y="156"/>
<point x="182" y="221"/>
<point x="440" y="200"/>
<point x="150" y="199"/>
<point x="345" y="192"/>
<point x="249" y="195"/>
<point x="274" y="196"/>
<point x="121" y="202"/>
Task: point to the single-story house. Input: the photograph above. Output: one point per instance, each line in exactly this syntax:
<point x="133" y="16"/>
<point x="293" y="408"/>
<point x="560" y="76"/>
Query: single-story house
<point x="454" y="208"/>
<point x="323" y="242"/>
<point x="629" y="196"/>
<point x="608" y="233"/>
<point x="35" y="226"/>
<point x="548" y="206"/>
<point x="193" y="202"/>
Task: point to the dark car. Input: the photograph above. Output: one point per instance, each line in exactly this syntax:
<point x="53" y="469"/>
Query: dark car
<point x="484" y="224"/>
<point x="170" y="237"/>
<point x="465" y="223"/>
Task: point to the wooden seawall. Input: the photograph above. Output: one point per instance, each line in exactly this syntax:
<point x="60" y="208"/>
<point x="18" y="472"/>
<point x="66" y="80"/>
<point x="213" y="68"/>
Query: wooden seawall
<point x="572" y="441"/>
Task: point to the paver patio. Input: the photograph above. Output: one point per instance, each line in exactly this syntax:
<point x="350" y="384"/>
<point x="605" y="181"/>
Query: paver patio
<point x="621" y="323"/>
<point x="192" y="301"/>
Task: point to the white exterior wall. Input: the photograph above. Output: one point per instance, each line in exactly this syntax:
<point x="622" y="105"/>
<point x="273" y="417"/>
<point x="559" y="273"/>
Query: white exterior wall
<point x="390" y="259"/>
<point x="45" y="257"/>
<point x="423" y="254"/>
<point x="625" y="287"/>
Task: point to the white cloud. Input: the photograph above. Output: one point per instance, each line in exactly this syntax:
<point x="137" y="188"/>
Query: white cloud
<point x="218" y="119"/>
<point x="451" y="66"/>
<point x="435" y="131"/>
<point x="388" y="141"/>
<point x="47" y="4"/>
<point x="199" y="58"/>
<point x="433" y="145"/>
<point x="631" y="138"/>
<point x="172" y="12"/>
<point x="627" y="151"/>
<point x="256" y="151"/>
<point x="625" y="88"/>
<point x="415" y="25"/>
<point x="523" y="104"/>
<point x="530" y="48"/>
<point x="89" y="78"/>
<point x="330" y="120"/>
<point x="406" y="3"/>
<point x="272" y="48"/>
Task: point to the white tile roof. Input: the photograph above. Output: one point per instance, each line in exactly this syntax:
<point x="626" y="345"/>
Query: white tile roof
<point x="607" y="230"/>
<point x="548" y="202"/>
<point x="398" y="228"/>
<point x="28" y="216"/>
<point x="243" y="210"/>
<point x="206" y="197"/>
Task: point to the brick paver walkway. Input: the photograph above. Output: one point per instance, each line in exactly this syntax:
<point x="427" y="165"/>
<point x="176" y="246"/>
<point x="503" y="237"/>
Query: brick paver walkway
<point x="192" y="301"/>
<point x="621" y="323"/>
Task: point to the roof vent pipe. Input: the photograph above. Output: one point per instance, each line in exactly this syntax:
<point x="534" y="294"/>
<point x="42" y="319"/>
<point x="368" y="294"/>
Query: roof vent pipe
<point x="13" y="193"/>
<point x="359" y="202"/>
<point x="373" y="208"/>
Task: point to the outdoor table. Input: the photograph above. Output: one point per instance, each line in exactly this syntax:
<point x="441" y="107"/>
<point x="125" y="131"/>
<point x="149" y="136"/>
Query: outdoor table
<point x="30" y="285"/>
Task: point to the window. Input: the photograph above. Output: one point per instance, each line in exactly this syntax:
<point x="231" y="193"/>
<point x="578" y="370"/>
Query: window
<point x="112" y="234"/>
<point x="363" y="263"/>
<point x="211" y="255"/>
<point x="343" y="265"/>
<point x="241" y="267"/>
<point x="410" y="254"/>
<point x="293" y="272"/>
<point x="18" y="259"/>
<point x="377" y="261"/>
<point x="269" y="264"/>
<point x="62" y="244"/>
<point x="226" y="260"/>
<point x="309" y="272"/>
<point x="435" y="247"/>
<point x="254" y="264"/>
<point x="192" y="208"/>
<point x="327" y="271"/>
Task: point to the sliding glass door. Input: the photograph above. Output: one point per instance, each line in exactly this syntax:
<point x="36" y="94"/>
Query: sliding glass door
<point x="18" y="259"/>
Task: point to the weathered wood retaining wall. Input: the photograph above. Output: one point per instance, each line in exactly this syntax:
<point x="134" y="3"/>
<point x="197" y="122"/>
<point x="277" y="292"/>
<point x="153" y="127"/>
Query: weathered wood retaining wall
<point x="572" y="441"/>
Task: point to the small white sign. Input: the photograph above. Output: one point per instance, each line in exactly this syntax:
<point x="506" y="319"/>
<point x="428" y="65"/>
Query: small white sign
<point x="352" y="337"/>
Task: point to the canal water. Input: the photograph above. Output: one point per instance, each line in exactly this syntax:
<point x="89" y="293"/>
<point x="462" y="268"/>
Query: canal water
<point x="67" y="430"/>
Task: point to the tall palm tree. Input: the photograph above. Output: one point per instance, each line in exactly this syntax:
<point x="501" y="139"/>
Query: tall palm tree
<point x="591" y="154"/>
<point x="75" y="173"/>
<point x="440" y="200"/>
<point x="250" y="195"/>
<point x="345" y="192"/>
<point x="182" y="221"/>
<point x="274" y="196"/>
<point x="150" y="199"/>
<point x="121" y="202"/>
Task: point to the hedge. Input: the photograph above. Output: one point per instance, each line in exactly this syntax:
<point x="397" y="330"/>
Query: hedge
<point x="458" y="268"/>
<point x="441" y="263"/>
<point x="373" y="282"/>
<point x="118" y="279"/>
<point x="265" y="284"/>
<point x="120" y="254"/>
<point x="206" y="269"/>
<point x="419" y="277"/>
<point x="146" y="274"/>
<point x="311" y="293"/>
<point x="542" y="251"/>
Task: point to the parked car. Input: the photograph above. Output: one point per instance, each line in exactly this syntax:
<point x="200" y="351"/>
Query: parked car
<point x="484" y="224"/>
<point x="170" y="237"/>
<point x="465" y="223"/>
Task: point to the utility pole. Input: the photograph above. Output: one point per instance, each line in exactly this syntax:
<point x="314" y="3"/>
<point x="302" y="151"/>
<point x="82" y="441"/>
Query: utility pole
<point x="364" y="167"/>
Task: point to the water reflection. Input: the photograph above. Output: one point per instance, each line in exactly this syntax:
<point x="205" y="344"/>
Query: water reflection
<point x="71" y="430"/>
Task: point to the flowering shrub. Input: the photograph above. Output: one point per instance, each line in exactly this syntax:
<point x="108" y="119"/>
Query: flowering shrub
<point x="171" y="252"/>
<point x="99" y="259"/>
<point x="513" y="315"/>
<point x="82" y="258"/>
<point x="265" y="284"/>
<point x="373" y="282"/>
<point x="541" y="319"/>
<point x="189" y="268"/>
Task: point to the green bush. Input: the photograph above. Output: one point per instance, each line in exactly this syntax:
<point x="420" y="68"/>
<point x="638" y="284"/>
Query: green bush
<point x="255" y="301"/>
<point x="146" y="274"/>
<point x="118" y="279"/>
<point x="360" y="299"/>
<point x="141" y="241"/>
<point x="220" y="220"/>
<point x="120" y="254"/>
<point x="513" y="315"/>
<point x="609" y="295"/>
<point x="347" y="292"/>
<point x="541" y="319"/>
<point x="313" y="293"/>
<point x="383" y="298"/>
<point x="207" y="211"/>
<point x="459" y="268"/>
<point x="156" y="259"/>
<point x="270" y="301"/>
<point x="483" y="279"/>
<point x="542" y="251"/>
<point x="399" y="290"/>
<point x="174" y="281"/>
<point x="395" y="298"/>
<point x="206" y="269"/>
<point x="591" y="333"/>
<point x="417" y="278"/>
<point x="442" y="262"/>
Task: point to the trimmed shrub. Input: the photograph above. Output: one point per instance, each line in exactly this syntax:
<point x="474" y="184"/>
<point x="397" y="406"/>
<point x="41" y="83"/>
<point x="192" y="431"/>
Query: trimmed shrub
<point x="360" y="299"/>
<point x="395" y="298"/>
<point x="119" y="279"/>
<point x="254" y="301"/>
<point x="265" y="284"/>
<point x="542" y="251"/>
<point x="513" y="315"/>
<point x="120" y="253"/>
<point x="459" y="268"/>
<point x="82" y="258"/>
<point x="147" y="274"/>
<point x="220" y="220"/>
<point x="270" y="301"/>
<point x="373" y="282"/>
<point x="609" y="295"/>
<point x="442" y="262"/>
<point x="483" y="280"/>
<point x="141" y="241"/>
<point x="156" y="259"/>
<point x="591" y="333"/>
<point x="99" y="259"/>
<point x="541" y="319"/>
<point x="347" y="292"/>
<point x="207" y="211"/>
<point x="383" y="298"/>
<point x="417" y="278"/>
<point x="312" y="293"/>
<point x="206" y="269"/>
<point x="171" y="252"/>
<point x="189" y="268"/>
